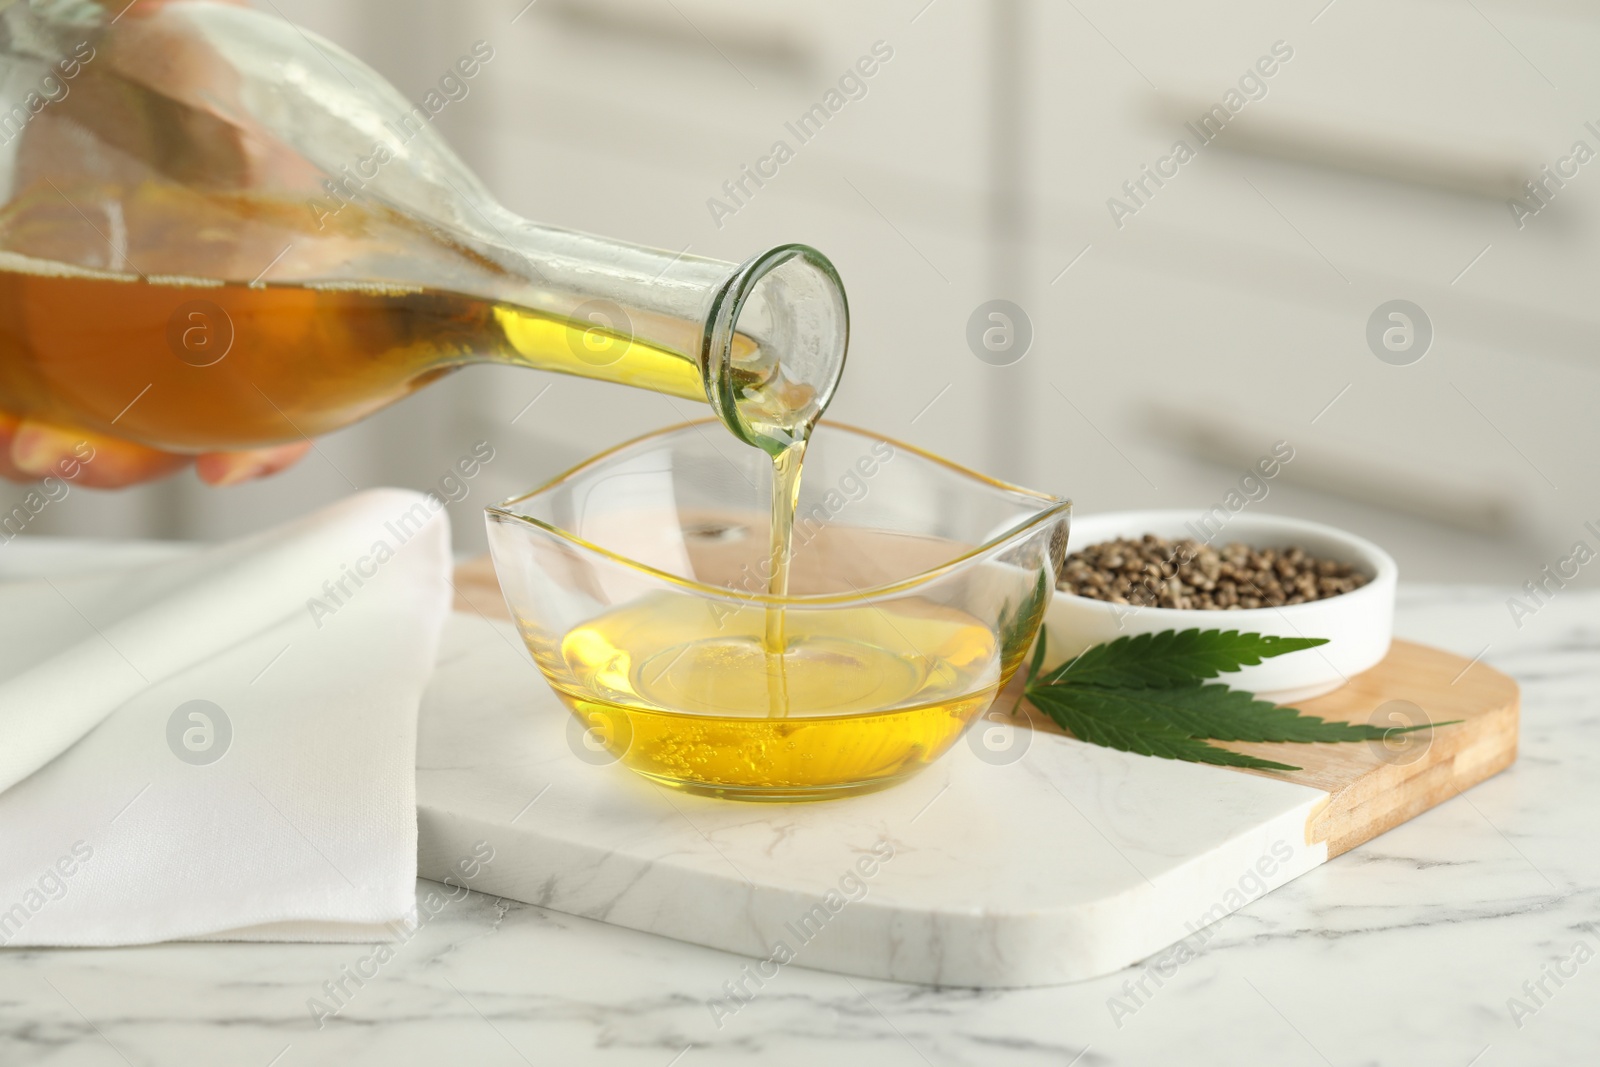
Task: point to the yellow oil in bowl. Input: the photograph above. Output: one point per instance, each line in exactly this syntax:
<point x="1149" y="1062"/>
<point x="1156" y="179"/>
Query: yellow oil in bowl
<point x="686" y="692"/>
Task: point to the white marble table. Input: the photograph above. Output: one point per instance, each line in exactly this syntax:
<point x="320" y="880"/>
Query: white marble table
<point x="1406" y="950"/>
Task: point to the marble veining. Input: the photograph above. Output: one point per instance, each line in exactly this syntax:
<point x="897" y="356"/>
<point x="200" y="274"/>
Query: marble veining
<point x="1408" y="950"/>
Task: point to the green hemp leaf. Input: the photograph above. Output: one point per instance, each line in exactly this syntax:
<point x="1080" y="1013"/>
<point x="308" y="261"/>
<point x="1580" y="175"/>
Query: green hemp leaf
<point x="1147" y="694"/>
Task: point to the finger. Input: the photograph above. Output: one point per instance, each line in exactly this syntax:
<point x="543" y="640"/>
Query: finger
<point x="150" y="7"/>
<point x="231" y="468"/>
<point x="8" y="430"/>
<point x="91" y="460"/>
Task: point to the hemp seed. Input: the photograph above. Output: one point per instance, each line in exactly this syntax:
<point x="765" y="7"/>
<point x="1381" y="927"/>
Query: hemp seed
<point x="1156" y="572"/>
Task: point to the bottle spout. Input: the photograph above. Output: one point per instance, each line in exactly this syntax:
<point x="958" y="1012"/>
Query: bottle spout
<point x="774" y="345"/>
<point x="763" y="342"/>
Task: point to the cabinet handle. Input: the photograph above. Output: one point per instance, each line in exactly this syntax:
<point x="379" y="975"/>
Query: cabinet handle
<point x="1492" y="171"/>
<point x="770" y="48"/>
<point x="1336" y="469"/>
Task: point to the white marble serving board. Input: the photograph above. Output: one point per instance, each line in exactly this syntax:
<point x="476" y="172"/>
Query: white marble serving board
<point x="1068" y="862"/>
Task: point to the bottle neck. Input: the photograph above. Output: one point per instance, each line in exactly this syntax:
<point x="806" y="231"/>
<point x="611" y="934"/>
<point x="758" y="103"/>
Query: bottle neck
<point x="762" y="342"/>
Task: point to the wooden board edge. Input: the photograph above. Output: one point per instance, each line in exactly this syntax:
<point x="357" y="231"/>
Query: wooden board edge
<point x="477" y="590"/>
<point x="1350" y="819"/>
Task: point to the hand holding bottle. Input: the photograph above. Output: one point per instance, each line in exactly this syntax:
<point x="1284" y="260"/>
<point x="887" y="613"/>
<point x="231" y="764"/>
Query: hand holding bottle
<point x="30" y="449"/>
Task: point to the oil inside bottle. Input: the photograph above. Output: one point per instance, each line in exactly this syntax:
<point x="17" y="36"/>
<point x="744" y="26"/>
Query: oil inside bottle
<point x="167" y="323"/>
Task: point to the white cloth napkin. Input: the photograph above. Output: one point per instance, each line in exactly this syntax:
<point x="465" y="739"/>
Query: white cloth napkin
<point x="223" y="744"/>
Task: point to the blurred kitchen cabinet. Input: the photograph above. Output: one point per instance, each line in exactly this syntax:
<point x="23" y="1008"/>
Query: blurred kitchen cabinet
<point x="1363" y="153"/>
<point x="1386" y="142"/>
<point x="709" y="87"/>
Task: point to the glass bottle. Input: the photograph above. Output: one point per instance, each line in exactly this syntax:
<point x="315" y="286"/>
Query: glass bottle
<point x="219" y="231"/>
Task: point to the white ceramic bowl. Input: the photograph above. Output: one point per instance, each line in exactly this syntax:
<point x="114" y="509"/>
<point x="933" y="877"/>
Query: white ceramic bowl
<point x="1357" y="624"/>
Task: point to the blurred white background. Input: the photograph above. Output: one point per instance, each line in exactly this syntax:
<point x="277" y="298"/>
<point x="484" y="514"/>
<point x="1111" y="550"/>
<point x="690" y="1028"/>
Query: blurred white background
<point x="1227" y="313"/>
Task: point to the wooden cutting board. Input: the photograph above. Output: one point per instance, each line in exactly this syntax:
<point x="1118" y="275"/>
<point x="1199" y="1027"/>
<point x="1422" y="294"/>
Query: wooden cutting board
<point x="1133" y="853"/>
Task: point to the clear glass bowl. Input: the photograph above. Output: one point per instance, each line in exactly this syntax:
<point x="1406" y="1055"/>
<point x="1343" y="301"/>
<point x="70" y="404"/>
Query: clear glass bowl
<point x="638" y="581"/>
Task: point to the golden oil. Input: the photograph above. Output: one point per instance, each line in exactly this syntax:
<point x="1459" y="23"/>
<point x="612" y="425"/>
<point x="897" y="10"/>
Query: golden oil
<point x="682" y="690"/>
<point x="175" y="345"/>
